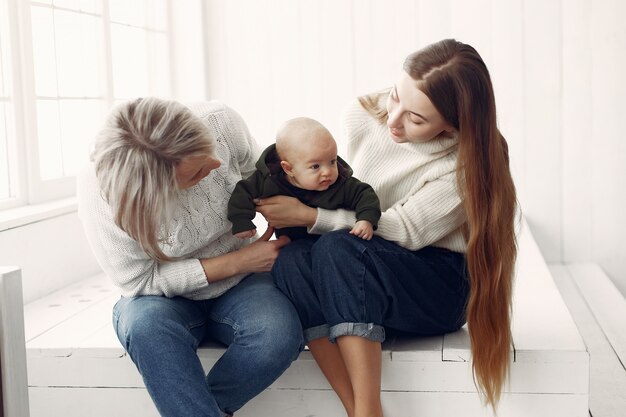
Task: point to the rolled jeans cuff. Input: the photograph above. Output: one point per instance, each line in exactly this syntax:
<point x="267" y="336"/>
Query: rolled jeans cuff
<point x="369" y="331"/>
<point x="316" y="332"/>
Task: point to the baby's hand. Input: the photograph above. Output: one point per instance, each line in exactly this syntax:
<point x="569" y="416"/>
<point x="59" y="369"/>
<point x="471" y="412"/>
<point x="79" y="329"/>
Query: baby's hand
<point x="363" y="229"/>
<point x="246" y="234"/>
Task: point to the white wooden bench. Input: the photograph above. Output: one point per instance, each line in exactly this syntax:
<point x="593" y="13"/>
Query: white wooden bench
<point x="76" y="366"/>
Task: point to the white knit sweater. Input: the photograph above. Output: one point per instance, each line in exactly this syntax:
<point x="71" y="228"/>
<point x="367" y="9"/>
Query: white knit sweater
<point x="199" y="228"/>
<point x="415" y="182"/>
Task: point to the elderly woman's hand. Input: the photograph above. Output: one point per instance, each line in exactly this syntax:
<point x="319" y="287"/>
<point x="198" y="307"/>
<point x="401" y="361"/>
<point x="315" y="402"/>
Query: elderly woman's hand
<point x="282" y="211"/>
<point x="260" y="255"/>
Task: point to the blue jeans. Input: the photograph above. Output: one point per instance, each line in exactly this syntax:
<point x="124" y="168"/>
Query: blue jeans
<point x="343" y="285"/>
<point x="254" y="319"/>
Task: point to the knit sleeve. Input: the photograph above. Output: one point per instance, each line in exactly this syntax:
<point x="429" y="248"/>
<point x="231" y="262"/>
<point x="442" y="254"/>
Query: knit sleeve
<point x="430" y="214"/>
<point x="122" y="258"/>
<point x="329" y="220"/>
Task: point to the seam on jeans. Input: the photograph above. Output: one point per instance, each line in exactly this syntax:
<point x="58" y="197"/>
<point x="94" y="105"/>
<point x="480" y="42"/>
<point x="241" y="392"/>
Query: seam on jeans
<point x="120" y="321"/>
<point x="116" y="325"/>
<point x="195" y="325"/>
<point x="225" y="320"/>
<point x="188" y="325"/>
<point x="362" y="285"/>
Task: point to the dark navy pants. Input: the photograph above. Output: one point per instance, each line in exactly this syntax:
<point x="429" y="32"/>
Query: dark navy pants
<point x="343" y="285"/>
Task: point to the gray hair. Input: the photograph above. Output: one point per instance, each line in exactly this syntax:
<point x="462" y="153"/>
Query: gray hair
<point x="135" y="157"/>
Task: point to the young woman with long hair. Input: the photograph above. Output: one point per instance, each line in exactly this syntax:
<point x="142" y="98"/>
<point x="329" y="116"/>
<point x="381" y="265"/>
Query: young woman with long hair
<point x="445" y="247"/>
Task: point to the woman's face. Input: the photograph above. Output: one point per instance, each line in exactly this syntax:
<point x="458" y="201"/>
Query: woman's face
<point x="193" y="169"/>
<point x="412" y="116"/>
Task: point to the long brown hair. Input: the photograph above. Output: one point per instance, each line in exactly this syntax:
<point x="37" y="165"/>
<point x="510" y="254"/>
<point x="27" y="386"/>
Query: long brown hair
<point x="135" y="157"/>
<point x="456" y="80"/>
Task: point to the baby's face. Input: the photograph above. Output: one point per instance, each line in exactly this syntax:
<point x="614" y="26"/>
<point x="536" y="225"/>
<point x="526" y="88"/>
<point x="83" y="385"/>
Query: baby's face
<point x="314" y="166"/>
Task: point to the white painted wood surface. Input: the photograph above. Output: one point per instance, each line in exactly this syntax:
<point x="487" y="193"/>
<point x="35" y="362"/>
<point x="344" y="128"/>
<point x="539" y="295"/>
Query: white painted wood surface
<point x="538" y="310"/>
<point x="43" y="314"/>
<point x="13" y="376"/>
<point x="605" y="302"/>
<point x="549" y="371"/>
<point x="323" y="403"/>
<point x="607" y="382"/>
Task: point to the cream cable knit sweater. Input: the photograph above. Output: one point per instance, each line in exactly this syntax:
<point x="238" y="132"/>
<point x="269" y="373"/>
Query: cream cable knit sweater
<point x="415" y="182"/>
<point x="199" y="228"/>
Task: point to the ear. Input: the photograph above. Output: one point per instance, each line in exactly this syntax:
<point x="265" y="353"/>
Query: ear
<point x="214" y="163"/>
<point x="286" y="166"/>
<point x="449" y="129"/>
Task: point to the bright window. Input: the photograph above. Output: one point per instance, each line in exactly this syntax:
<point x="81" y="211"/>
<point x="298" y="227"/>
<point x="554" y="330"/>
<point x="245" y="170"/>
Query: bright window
<point x="8" y="188"/>
<point x="77" y="58"/>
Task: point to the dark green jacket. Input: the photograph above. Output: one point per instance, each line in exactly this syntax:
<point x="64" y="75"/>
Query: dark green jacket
<point x="269" y="180"/>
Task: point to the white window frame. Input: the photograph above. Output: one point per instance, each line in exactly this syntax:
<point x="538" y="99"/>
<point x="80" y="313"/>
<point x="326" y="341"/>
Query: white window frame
<point x="27" y="184"/>
<point x="16" y="148"/>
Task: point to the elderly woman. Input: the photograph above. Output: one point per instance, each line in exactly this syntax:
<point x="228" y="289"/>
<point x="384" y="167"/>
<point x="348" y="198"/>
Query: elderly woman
<point x="153" y="204"/>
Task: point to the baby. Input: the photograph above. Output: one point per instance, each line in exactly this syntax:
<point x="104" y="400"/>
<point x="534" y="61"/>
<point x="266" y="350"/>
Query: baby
<point x="304" y="164"/>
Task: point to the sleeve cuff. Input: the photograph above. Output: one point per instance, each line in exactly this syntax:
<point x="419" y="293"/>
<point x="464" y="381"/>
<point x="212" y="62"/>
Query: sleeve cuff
<point x="371" y="216"/>
<point x="242" y="225"/>
<point x="183" y="277"/>
<point x="329" y="220"/>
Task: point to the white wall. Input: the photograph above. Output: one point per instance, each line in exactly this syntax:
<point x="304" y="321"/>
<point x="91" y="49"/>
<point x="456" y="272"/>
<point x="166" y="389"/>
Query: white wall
<point x="556" y="65"/>
<point x="608" y="38"/>
<point x="52" y="253"/>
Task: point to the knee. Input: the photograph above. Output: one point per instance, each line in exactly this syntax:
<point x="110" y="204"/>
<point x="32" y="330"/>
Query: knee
<point x="276" y="332"/>
<point x="283" y="330"/>
<point x="136" y="320"/>
<point x="137" y="325"/>
<point x="286" y="341"/>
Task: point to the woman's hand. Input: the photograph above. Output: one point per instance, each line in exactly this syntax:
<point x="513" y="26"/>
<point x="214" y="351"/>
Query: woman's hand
<point x="282" y="211"/>
<point x="246" y="234"/>
<point x="258" y="256"/>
